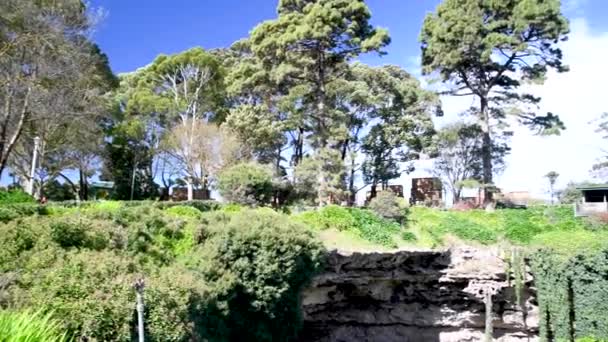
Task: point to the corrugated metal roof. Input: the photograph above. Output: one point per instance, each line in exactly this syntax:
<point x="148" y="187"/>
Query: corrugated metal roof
<point x="594" y="187"/>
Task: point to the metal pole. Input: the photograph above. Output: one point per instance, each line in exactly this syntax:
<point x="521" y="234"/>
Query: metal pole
<point x="30" y="189"/>
<point x="139" y="290"/>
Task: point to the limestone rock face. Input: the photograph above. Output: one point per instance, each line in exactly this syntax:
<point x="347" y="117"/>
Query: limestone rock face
<point x="416" y="296"/>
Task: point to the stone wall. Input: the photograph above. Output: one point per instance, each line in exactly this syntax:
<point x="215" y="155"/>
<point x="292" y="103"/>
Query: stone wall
<point x="416" y="296"/>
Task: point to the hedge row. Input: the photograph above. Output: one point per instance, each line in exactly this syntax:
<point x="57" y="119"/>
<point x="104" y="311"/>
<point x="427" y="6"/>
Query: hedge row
<point x="573" y="295"/>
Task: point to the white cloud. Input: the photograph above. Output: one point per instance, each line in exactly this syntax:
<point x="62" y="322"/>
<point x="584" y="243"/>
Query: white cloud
<point x="578" y="97"/>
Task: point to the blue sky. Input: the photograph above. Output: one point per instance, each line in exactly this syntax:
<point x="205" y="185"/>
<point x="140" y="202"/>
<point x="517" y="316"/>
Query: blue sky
<point x="134" y="32"/>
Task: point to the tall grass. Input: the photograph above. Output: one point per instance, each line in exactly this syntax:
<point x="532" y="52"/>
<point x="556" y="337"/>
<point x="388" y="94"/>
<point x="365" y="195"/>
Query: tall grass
<point x="30" y="327"/>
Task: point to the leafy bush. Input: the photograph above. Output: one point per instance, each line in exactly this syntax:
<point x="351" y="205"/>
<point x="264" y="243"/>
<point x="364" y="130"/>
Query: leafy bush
<point x="240" y="279"/>
<point x="12" y="211"/>
<point x="519" y="226"/>
<point x="247" y="184"/>
<point x="364" y="223"/>
<point x="572" y="292"/>
<point x="232" y="208"/>
<point x="375" y="229"/>
<point x="409" y="236"/>
<point x="68" y="233"/>
<point x="177" y="305"/>
<point x="7" y="215"/>
<point x="386" y="204"/>
<point x="30" y="326"/>
<point x="15" y="196"/>
<point x="184" y="211"/>
<point x="468" y="230"/>
<point x="333" y="216"/>
<point x="15" y="239"/>
<point x="256" y="263"/>
<point x="201" y="205"/>
<point x="90" y="292"/>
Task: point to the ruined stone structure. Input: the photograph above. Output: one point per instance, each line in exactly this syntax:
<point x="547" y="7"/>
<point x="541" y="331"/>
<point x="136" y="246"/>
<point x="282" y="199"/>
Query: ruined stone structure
<point x="413" y="296"/>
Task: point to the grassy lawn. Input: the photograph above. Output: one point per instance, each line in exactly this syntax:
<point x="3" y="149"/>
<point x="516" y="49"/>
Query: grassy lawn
<point x="425" y="228"/>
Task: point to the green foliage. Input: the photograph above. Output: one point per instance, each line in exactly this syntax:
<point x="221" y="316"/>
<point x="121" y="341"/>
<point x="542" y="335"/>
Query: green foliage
<point x="468" y="230"/>
<point x="177" y="305"/>
<point x="29" y="326"/>
<point x="409" y="236"/>
<point x="519" y="226"/>
<point x="90" y="292"/>
<point x="364" y="223"/>
<point x="7" y="215"/>
<point x="201" y="205"/>
<point x="257" y="262"/>
<point x="489" y="49"/>
<point x="15" y="196"/>
<point x="184" y="211"/>
<point x="571" y="292"/>
<point x="246" y="184"/>
<point x="331" y="216"/>
<point x="9" y="212"/>
<point x="232" y="208"/>
<point x="545" y="226"/>
<point x="386" y="204"/>
<point x="375" y="229"/>
<point x="69" y="233"/>
<point x="55" y="191"/>
<point x="209" y="276"/>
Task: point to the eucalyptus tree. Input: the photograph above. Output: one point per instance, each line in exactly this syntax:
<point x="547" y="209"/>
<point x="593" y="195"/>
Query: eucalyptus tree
<point x="311" y="43"/>
<point x="488" y="49"/>
<point x="202" y="150"/>
<point x="48" y="69"/>
<point x="183" y="90"/>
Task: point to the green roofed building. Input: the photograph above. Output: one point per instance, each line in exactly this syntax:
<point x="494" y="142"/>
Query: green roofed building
<point x="101" y="189"/>
<point x="594" y="200"/>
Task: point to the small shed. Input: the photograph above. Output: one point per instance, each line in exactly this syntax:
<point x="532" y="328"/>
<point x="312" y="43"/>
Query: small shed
<point x="101" y="189"/>
<point x="594" y="200"/>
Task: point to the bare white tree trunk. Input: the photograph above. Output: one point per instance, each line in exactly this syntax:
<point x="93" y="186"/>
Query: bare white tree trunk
<point x="190" y="190"/>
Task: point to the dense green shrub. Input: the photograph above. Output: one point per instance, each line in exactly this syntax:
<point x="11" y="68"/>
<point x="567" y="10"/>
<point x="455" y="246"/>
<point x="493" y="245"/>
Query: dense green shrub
<point x="375" y="229"/>
<point x="15" y="196"/>
<point x="572" y="292"/>
<point x="468" y="230"/>
<point x="519" y="226"/>
<point x="201" y="205"/>
<point x="246" y="184"/>
<point x="68" y="233"/>
<point x="90" y="292"/>
<point x="177" y="305"/>
<point x="7" y="215"/>
<point x="362" y="222"/>
<point x="12" y="211"/>
<point x="408" y="236"/>
<point x="256" y="263"/>
<point x="386" y="204"/>
<point x="16" y="238"/>
<point x="28" y="326"/>
<point x="331" y="216"/>
<point x="184" y="211"/>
